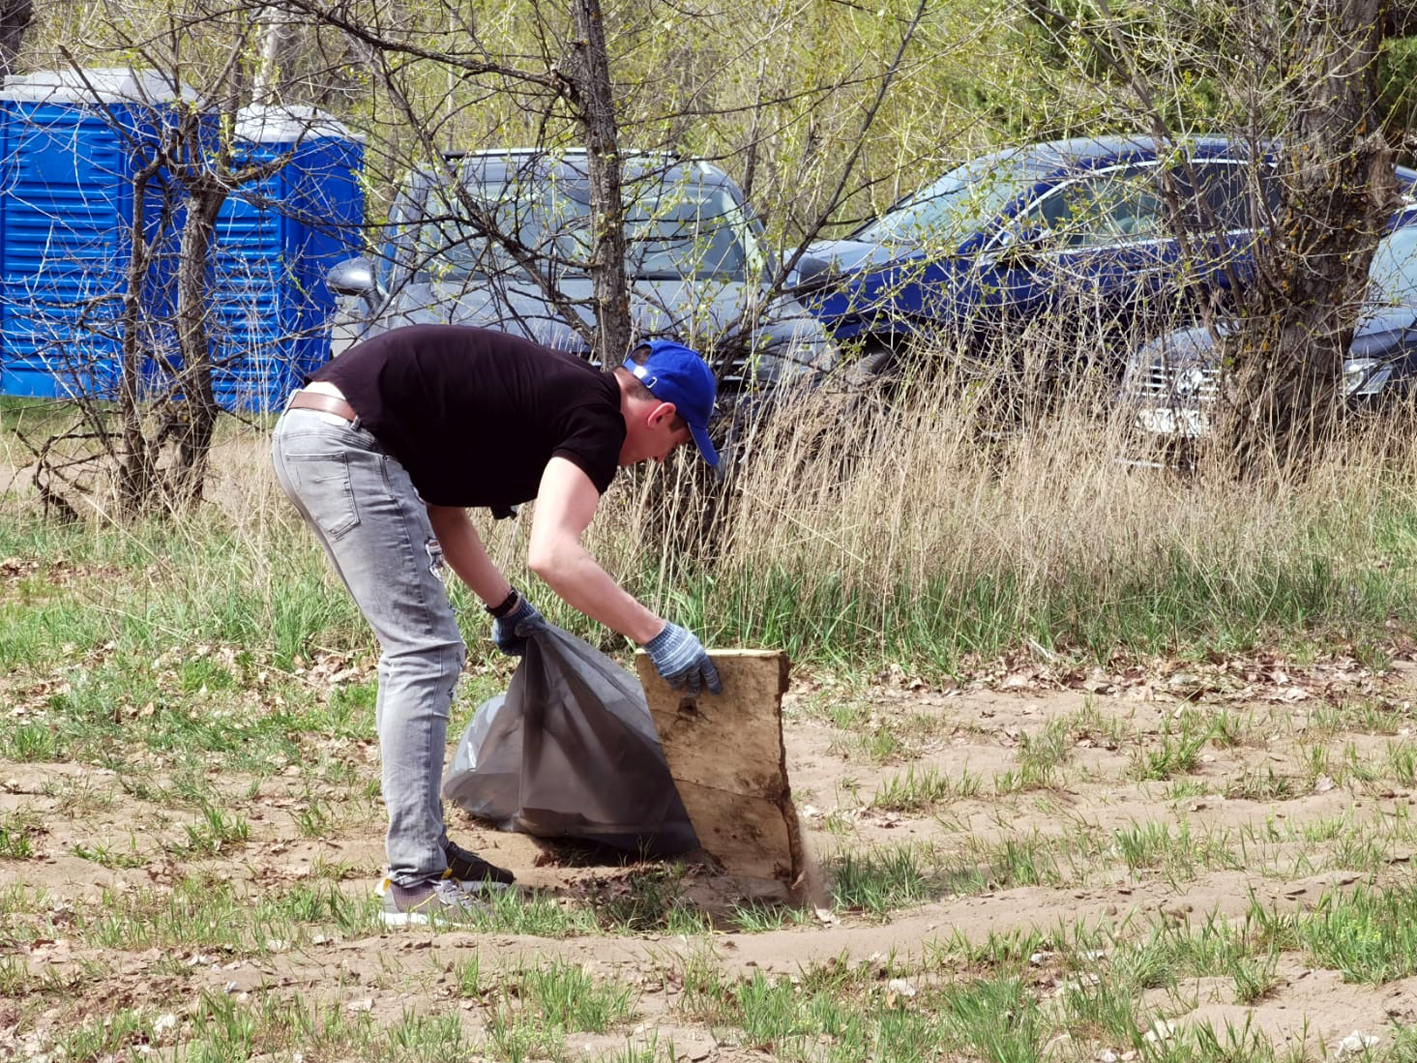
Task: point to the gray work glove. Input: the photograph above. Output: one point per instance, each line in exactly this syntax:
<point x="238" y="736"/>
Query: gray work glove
<point x="510" y="632"/>
<point x="680" y="658"/>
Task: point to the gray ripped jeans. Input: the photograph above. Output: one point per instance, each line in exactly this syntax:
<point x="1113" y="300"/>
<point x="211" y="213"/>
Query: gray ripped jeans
<point x="363" y="508"/>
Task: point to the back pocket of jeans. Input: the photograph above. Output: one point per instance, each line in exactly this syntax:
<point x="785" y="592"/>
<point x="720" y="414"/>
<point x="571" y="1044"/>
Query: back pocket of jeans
<point x="323" y="483"/>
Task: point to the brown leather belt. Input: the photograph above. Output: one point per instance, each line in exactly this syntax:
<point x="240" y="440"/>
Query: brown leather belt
<point x="315" y="400"/>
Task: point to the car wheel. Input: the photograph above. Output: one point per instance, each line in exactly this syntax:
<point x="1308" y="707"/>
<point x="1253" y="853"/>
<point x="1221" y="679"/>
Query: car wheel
<point x="876" y="366"/>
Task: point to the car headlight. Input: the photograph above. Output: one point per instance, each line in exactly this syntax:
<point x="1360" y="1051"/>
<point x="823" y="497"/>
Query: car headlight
<point x="1365" y="376"/>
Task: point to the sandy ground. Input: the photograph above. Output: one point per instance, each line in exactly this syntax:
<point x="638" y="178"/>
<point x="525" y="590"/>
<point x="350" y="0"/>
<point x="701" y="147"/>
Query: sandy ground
<point x="977" y="730"/>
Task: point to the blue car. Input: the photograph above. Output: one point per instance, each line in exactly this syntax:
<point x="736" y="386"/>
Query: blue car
<point x="1173" y="381"/>
<point x="1070" y="236"/>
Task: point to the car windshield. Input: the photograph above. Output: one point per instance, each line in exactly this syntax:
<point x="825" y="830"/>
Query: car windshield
<point x="951" y="208"/>
<point x="684" y="230"/>
<point x="1394" y="269"/>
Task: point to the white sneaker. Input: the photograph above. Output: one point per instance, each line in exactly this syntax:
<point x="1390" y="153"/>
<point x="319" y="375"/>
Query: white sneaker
<point x="467" y="886"/>
<point x="419" y="905"/>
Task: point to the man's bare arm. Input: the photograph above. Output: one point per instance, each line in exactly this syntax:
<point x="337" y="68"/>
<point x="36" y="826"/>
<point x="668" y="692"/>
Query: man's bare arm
<point x="565" y="505"/>
<point x="465" y="554"/>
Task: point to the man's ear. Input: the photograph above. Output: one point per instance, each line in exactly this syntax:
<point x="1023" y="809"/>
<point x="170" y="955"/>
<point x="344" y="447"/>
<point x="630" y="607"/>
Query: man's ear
<point x="665" y="410"/>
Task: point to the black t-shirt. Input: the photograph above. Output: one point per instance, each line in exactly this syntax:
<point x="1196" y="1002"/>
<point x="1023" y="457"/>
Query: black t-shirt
<point x="475" y="415"/>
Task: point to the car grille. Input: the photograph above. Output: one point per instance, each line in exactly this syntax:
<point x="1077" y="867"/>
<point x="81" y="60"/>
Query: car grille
<point x="1192" y="383"/>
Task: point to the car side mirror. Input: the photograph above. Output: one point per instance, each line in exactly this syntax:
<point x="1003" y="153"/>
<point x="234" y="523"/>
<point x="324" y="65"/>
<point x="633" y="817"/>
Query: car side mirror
<point x="353" y="276"/>
<point x="809" y="270"/>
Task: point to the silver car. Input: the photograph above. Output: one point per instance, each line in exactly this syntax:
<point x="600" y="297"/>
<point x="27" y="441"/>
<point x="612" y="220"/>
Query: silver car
<point x="1173" y="382"/>
<point x="507" y="248"/>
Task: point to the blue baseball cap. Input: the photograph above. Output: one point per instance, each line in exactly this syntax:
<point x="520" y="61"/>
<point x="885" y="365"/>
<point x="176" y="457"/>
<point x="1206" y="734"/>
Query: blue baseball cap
<point x="674" y="373"/>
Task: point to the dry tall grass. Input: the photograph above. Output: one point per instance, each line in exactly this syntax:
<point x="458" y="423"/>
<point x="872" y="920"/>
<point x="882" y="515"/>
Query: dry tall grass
<point x="919" y="494"/>
<point x="887" y="505"/>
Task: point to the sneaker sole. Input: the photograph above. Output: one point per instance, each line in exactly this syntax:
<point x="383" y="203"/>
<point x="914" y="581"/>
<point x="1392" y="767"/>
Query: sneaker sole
<point x="450" y="922"/>
<point x="403" y="919"/>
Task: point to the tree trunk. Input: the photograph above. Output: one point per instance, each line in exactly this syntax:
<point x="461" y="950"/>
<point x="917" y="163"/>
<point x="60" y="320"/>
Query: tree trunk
<point x="1285" y="390"/>
<point x="596" y="105"/>
<point x="200" y="410"/>
<point x="15" y="18"/>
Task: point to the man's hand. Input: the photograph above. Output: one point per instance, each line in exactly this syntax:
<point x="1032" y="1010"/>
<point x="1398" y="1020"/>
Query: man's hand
<point x="510" y="632"/>
<point x="680" y="658"/>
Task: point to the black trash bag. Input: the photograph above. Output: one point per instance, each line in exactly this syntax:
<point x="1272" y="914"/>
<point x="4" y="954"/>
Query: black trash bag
<point x="570" y="751"/>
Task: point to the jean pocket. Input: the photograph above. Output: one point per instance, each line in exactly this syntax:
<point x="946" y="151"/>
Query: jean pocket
<point x="322" y="482"/>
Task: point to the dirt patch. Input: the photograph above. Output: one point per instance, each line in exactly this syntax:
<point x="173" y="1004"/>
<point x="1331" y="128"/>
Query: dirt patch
<point x="1019" y="812"/>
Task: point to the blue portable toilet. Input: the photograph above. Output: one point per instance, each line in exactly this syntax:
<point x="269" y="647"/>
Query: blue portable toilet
<point x="276" y="238"/>
<point x="72" y="144"/>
